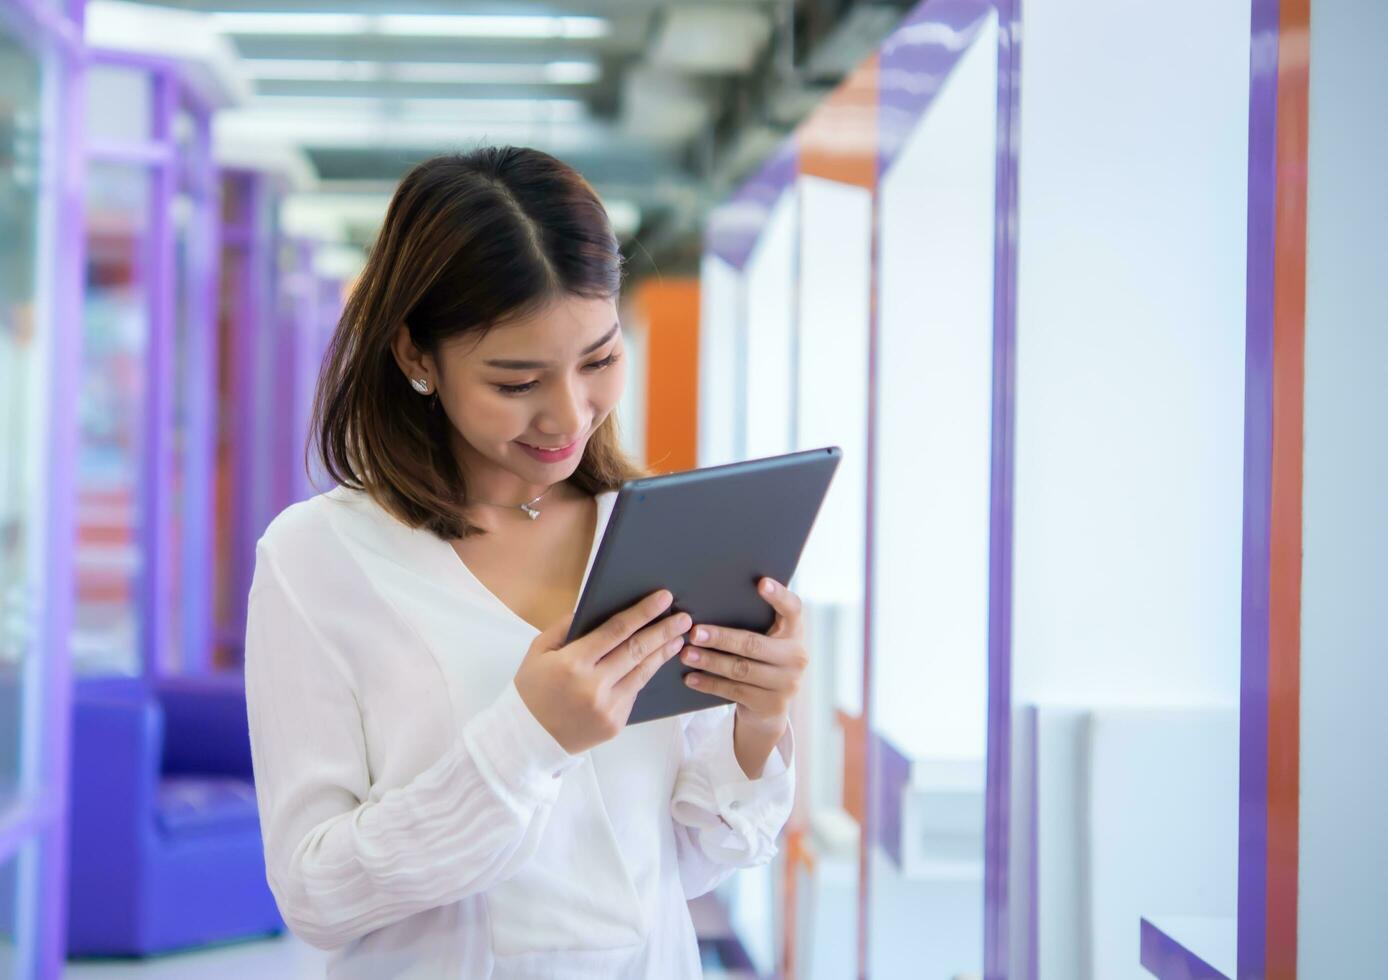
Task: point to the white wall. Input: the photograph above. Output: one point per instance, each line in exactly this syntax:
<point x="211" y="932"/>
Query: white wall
<point x="720" y="331"/>
<point x="1130" y="339"/>
<point x="770" y="279"/>
<point x="1344" y="628"/>
<point x="835" y="257"/>
<point x="935" y="383"/>
<point x="1129" y="435"/>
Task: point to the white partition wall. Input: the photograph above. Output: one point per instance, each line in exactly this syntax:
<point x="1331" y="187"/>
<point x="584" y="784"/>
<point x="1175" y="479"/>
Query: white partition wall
<point x="931" y="523"/>
<point x="770" y="363"/>
<point x="831" y="405"/>
<point x="720" y="344"/>
<point x="1129" y="456"/>
<point x="833" y="306"/>
<point x="1344" y="614"/>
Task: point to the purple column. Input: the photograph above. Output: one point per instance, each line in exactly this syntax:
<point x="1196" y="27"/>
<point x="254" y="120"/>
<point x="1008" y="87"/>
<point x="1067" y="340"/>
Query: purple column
<point x="199" y="387"/>
<point x="58" y="39"/>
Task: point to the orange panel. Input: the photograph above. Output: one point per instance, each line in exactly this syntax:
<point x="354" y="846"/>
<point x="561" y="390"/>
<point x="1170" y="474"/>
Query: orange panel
<point x="838" y="141"/>
<point x="854" y="766"/>
<point x="1288" y="389"/>
<point x="670" y="308"/>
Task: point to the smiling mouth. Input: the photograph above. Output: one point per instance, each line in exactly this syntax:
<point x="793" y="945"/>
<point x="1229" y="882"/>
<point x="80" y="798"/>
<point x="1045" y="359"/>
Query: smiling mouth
<point x="548" y="449"/>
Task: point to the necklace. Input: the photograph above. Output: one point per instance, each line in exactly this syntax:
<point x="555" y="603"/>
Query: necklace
<point x="530" y="511"/>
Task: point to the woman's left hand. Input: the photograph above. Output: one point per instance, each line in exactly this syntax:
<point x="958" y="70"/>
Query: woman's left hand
<point x="761" y="672"/>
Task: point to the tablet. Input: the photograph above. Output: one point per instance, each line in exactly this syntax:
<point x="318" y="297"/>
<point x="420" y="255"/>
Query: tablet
<point x="709" y="536"/>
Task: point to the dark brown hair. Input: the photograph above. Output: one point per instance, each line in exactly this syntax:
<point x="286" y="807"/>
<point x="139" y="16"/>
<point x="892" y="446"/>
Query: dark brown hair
<point x="470" y="241"/>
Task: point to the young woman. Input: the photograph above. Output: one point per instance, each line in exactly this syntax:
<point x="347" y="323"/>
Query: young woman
<point x="446" y="789"/>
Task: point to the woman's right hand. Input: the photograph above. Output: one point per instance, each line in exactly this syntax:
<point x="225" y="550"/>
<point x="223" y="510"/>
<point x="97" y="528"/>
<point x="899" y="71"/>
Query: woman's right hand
<point x="582" y="692"/>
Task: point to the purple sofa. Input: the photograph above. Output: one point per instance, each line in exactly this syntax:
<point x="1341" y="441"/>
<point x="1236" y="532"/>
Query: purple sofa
<point x="164" y="845"/>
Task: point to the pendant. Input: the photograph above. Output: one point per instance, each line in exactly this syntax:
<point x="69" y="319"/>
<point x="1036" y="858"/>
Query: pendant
<point x="531" y="512"/>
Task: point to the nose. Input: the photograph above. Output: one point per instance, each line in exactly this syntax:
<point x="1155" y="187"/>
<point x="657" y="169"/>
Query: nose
<point x="565" y="412"/>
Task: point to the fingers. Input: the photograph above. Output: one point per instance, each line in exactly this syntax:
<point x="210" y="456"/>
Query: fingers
<point x="759" y="700"/>
<point x="555" y="633"/>
<point x="593" y="646"/>
<point x="638" y="648"/>
<point x="754" y="673"/>
<point x="636" y="678"/>
<point x="781" y="599"/>
<point x="777" y="650"/>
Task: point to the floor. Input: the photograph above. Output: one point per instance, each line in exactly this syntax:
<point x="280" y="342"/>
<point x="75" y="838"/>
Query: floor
<point x="281" y="958"/>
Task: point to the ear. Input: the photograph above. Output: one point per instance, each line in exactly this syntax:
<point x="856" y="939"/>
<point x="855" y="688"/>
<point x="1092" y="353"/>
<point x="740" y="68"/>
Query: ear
<point x="413" y="362"/>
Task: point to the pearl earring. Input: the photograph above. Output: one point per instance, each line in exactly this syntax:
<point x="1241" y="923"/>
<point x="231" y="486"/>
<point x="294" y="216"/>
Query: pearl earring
<point x="421" y="385"/>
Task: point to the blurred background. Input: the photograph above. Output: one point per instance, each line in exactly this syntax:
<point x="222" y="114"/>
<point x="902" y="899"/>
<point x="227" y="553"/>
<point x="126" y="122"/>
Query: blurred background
<point x="1088" y="291"/>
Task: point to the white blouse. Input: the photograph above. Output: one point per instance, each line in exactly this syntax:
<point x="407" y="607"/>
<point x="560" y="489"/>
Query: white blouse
<point x="420" y="822"/>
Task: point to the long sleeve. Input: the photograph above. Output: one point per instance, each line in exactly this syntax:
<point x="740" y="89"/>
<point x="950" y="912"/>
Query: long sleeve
<point x="723" y="820"/>
<point x="341" y="860"/>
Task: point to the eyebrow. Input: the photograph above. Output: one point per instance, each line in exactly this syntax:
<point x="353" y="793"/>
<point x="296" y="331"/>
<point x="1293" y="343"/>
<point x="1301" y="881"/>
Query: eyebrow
<point x="532" y="365"/>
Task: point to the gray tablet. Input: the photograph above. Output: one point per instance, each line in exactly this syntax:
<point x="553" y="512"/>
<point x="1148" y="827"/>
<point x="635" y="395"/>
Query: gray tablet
<point x="708" y="535"/>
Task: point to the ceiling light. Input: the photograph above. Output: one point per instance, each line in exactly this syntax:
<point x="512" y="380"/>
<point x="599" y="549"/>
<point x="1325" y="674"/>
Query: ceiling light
<point x="444" y="72"/>
<point x="412" y="25"/>
<point x="520" y="110"/>
<point x="471" y="25"/>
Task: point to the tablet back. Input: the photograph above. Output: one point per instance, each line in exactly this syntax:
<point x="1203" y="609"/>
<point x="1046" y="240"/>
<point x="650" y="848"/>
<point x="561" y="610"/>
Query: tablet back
<point x="708" y="535"/>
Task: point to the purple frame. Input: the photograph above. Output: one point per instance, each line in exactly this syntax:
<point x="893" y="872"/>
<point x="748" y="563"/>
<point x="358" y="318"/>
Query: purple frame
<point x="158" y="152"/>
<point x="1260" y="423"/>
<point x="200" y="398"/>
<point x="997" y="815"/>
<point x="40" y="816"/>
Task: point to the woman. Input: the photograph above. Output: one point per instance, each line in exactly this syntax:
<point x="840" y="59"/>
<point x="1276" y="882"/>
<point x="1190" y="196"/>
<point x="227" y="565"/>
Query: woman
<point x="446" y="789"/>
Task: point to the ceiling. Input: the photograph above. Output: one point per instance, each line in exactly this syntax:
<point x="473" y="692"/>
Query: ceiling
<point x="664" y="107"/>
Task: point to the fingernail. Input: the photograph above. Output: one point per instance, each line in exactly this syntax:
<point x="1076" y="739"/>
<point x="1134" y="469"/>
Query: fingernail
<point x="693" y="679"/>
<point x="691" y="656"/>
<point x="700" y="635"/>
<point x="768" y="586"/>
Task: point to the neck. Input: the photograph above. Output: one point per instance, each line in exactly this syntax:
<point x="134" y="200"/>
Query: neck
<point x="488" y="483"/>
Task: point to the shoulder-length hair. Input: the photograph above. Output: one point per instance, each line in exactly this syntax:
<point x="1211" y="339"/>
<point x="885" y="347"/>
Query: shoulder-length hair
<point x="470" y="241"/>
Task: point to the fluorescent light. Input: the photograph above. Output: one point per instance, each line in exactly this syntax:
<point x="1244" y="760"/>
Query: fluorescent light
<point x="310" y="70"/>
<point x="386" y="108"/>
<point x="251" y="126"/>
<point x="572" y="72"/>
<point x="558" y="72"/>
<point x="471" y="25"/>
<point x="291" y="23"/>
<point x="413" y="25"/>
<point x="446" y="72"/>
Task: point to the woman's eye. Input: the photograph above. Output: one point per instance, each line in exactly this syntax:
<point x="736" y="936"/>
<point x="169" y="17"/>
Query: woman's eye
<point x="522" y="389"/>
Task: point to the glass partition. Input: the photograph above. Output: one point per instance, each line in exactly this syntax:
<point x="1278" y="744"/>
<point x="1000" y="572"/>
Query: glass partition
<point x="22" y="417"/>
<point x="931" y="520"/>
<point x="831" y="396"/>
<point x="112" y="406"/>
<point x="146" y="411"/>
<point x="1131" y="325"/>
<point x="120" y="104"/>
<point x="40" y="255"/>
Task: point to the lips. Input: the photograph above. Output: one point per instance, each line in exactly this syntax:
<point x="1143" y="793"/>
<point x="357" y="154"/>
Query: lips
<point x="550" y="455"/>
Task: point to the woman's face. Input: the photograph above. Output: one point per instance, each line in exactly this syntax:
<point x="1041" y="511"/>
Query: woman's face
<point x="572" y="373"/>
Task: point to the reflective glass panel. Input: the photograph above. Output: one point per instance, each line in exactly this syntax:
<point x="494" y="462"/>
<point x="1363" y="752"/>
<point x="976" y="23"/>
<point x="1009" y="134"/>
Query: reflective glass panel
<point x="22" y="414"/>
<point x="112" y="407"/>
